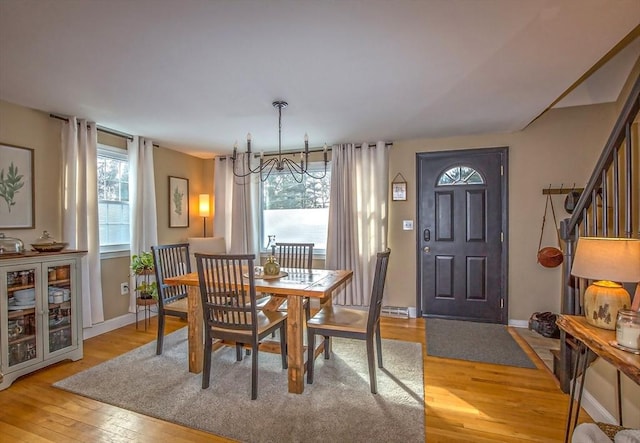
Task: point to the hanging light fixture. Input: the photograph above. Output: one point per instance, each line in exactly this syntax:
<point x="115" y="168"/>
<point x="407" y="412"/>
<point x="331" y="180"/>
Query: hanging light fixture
<point x="278" y="162"/>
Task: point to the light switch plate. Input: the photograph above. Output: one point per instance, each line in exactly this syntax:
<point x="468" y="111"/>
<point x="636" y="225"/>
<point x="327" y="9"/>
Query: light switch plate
<point x="407" y="225"/>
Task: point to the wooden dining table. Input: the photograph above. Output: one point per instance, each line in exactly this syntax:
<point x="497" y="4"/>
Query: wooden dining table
<point x="297" y="284"/>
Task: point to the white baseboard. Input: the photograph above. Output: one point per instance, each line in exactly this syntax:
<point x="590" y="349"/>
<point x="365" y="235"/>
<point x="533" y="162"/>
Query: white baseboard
<point x="110" y="325"/>
<point x="595" y="410"/>
<point x="519" y="323"/>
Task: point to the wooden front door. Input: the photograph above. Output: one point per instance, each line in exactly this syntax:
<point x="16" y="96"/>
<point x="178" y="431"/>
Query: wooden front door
<point x="462" y="234"/>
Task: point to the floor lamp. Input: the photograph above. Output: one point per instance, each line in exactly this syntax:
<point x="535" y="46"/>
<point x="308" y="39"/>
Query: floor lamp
<point x="204" y="211"/>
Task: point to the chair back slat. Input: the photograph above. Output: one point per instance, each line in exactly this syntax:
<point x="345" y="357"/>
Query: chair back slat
<point x="294" y="255"/>
<point x="170" y="261"/>
<point x="226" y="303"/>
<point x="379" y="278"/>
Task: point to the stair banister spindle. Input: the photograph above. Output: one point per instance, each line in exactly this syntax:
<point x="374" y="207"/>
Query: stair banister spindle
<point x="605" y="202"/>
<point x="616" y="195"/>
<point x="594" y="212"/>
<point x="628" y="222"/>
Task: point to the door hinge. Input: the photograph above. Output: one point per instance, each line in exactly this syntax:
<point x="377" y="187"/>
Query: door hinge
<point x="502" y="303"/>
<point x="501" y="170"/>
<point x="501" y="236"/>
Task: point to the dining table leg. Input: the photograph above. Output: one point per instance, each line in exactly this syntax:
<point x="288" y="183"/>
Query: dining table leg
<point x="195" y="331"/>
<point x="295" y="347"/>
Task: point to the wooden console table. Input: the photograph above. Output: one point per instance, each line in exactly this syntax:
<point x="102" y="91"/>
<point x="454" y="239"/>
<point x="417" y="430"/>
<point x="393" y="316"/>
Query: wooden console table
<point x="596" y="340"/>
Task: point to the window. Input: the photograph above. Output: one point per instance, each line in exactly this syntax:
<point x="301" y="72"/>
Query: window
<point x="460" y="175"/>
<point x="113" y="199"/>
<point x="296" y="212"/>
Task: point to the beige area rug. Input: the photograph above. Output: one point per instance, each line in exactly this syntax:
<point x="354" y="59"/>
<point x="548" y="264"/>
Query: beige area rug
<point x="337" y="407"/>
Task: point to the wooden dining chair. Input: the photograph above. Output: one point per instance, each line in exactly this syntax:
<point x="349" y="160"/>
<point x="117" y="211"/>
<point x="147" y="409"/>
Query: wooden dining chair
<point x="335" y="321"/>
<point x="230" y="313"/>
<point x="294" y="255"/>
<point x="170" y="261"/>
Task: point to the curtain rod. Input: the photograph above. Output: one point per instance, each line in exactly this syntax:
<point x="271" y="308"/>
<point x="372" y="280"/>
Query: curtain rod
<point x="275" y="154"/>
<point x="103" y="129"/>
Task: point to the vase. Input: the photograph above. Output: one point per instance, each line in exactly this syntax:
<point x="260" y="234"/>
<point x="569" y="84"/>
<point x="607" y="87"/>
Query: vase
<point x="271" y="267"/>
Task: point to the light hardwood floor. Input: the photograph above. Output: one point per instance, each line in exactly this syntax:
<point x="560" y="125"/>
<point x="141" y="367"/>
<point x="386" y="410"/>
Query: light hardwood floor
<point x="464" y="401"/>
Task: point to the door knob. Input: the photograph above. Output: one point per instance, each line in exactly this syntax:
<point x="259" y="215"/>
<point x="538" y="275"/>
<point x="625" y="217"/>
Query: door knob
<point x="426" y="249"/>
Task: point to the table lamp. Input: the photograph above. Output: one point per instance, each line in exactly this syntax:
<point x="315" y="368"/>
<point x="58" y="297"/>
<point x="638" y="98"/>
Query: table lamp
<point x="204" y="210"/>
<point x="609" y="262"/>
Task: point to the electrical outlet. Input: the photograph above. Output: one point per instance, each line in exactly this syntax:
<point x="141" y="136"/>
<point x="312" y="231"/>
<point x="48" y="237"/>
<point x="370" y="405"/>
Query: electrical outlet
<point x="124" y="288"/>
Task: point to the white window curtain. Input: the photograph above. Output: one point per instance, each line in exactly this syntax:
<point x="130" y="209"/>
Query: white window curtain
<point x="142" y="202"/>
<point x="80" y="212"/>
<point x="358" y="216"/>
<point x="236" y="199"/>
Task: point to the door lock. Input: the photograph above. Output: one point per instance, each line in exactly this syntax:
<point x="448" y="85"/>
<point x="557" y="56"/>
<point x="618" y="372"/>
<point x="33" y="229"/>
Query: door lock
<point x="426" y="235"/>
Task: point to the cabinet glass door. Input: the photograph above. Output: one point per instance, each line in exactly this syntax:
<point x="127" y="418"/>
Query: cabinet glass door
<point x="21" y="284"/>
<point x="59" y="301"/>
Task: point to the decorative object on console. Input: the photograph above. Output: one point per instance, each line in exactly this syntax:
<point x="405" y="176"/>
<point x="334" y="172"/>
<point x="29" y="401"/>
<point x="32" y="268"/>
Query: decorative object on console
<point x="203" y="207"/>
<point x="297" y="171"/>
<point x="608" y="261"/>
<point x="46" y="243"/>
<point x="628" y="330"/>
<point x="9" y="245"/>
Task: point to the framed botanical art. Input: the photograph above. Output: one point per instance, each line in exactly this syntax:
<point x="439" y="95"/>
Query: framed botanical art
<point x="178" y="202"/>
<point x="17" y="184"/>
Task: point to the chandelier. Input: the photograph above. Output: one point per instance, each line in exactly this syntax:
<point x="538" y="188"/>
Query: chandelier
<point x="297" y="170"/>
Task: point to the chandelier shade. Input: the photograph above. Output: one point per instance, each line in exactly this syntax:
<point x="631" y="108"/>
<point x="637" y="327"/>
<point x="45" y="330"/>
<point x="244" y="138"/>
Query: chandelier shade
<point x="278" y="162"/>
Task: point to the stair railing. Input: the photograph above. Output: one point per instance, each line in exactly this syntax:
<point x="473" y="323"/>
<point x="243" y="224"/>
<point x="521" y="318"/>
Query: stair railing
<point x="609" y="206"/>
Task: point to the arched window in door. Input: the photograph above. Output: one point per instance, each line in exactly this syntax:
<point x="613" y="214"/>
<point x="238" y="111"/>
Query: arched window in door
<point x="460" y="175"/>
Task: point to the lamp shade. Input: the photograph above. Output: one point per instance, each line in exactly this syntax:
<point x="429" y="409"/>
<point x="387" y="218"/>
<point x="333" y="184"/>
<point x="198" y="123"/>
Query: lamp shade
<point x="613" y="259"/>
<point x="203" y="205"/>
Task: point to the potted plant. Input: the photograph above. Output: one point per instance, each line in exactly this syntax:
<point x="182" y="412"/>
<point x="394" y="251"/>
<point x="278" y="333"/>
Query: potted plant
<point x="142" y="264"/>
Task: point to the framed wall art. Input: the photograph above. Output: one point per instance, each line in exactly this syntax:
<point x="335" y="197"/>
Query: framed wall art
<point x="399" y="188"/>
<point x="178" y="202"/>
<point x="17" y="184"/>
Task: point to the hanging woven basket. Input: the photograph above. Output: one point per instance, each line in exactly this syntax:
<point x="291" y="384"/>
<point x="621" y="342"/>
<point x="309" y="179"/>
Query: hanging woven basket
<point x="550" y="257"/>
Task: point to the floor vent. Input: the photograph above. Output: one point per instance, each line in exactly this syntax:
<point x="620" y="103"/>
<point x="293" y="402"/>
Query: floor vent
<point x="395" y="311"/>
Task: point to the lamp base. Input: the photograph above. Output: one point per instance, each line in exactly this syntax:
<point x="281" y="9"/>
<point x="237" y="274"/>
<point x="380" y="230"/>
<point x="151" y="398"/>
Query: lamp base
<point x="602" y="301"/>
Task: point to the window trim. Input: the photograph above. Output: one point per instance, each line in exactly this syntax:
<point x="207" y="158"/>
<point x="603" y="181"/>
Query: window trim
<point x="120" y="249"/>
<point x="460" y="183"/>
<point x="313" y="167"/>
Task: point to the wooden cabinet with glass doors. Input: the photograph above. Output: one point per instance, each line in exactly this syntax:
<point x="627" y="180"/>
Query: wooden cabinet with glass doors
<point x="40" y="312"/>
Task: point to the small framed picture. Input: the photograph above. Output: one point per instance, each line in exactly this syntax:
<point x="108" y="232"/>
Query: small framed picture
<point x="178" y="202"/>
<point x="17" y="203"/>
<point x="399" y="188"/>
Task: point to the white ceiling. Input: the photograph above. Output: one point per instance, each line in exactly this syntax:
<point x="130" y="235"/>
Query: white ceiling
<point x="196" y="75"/>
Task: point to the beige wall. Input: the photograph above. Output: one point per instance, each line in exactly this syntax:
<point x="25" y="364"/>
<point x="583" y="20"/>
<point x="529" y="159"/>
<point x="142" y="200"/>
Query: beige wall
<point x="561" y="147"/>
<point x="26" y="127"/>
